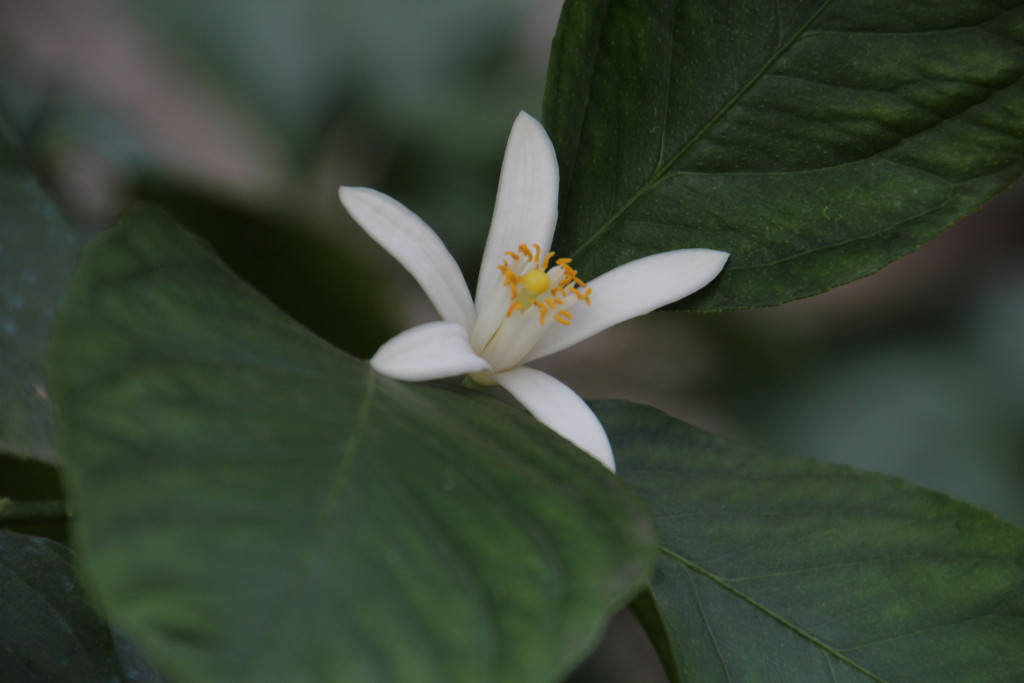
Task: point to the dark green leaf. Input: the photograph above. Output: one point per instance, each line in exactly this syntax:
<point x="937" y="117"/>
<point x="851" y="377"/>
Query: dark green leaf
<point x="37" y="254"/>
<point x="814" y="140"/>
<point x="252" y="504"/>
<point x="48" y="632"/>
<point x="789" y="570"/>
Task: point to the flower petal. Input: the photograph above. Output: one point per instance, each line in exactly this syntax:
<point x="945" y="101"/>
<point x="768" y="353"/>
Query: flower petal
<point x="430" y="351"/>
<point x="527" y="203"/>
<point x="411" y="241"/>
<point x="559" y="408"/>
<point x="633" y="289"/>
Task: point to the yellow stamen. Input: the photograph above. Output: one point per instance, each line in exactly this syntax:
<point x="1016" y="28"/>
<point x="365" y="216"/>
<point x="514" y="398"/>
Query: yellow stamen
<point x="535" y="287"/>
<point x="510" y="277"/>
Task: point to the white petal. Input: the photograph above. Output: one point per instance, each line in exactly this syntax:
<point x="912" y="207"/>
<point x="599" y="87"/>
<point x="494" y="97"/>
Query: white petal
<point x="633" y="289"/>
<point x="527" y="203"/>
<point x="430" y="351"/>
<point x="559" y="408"/>
<point x="411" y="241"/>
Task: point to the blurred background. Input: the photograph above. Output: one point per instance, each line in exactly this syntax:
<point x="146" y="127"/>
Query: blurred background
<point x="243" y="116"/>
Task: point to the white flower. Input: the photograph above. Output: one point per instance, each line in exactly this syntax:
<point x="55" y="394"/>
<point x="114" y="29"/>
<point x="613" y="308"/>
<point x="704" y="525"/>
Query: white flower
<point x="528" y="304"/>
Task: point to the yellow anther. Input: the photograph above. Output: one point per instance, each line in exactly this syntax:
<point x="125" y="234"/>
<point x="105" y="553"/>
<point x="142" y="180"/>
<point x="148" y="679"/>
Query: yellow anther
<point x="507" y="272"/>
<point x="535" y="286"/>
<point x="536" y="282"/>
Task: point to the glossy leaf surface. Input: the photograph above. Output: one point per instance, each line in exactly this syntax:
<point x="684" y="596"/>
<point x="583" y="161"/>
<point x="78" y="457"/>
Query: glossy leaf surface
<point x="785" y="570"/>
<point x="814" y="140"/>
<point x="254" y="505"/>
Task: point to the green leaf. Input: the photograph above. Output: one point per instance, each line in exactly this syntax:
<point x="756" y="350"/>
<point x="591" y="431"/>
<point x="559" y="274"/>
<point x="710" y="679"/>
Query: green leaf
<point x="38" y="250"/>
<point x="789" y="570"/>
<point x="48" y="631"/>
<point x="814" y="140"/>
<point x="254" y="505"/>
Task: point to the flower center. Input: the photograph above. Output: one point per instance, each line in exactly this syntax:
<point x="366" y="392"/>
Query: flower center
<point x="529" y="282"/>
<point x="536" y="281"/>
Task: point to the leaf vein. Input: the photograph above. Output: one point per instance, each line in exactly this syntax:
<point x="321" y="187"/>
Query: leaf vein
<point x="708" y="627"/>
<point x="918" y="632"/>
<point x="566" y="181"/>
<point x="777" y="617"/>
<point x="320" y="528"/>
<point x="659" y="173"/>
<point x="668" y="85"/>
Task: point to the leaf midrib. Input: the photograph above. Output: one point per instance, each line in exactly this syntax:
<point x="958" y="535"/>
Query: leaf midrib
<point x="660" y="172"/>
<point x="320" y="529"/>
<point x="764" y="610"/>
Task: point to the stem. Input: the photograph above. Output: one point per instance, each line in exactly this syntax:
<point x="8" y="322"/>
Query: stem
<point x="27" y="511"/>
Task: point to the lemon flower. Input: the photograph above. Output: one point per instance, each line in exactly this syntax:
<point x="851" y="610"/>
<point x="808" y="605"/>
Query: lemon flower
<point x="528" y="303"/>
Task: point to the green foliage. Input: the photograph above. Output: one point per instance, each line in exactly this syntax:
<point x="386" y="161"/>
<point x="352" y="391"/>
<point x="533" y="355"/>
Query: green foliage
<point x="253" y="504"/>
<point x="37" y="254"/>
<point x="814" y="141"/>
<point x="781" y="569"/>
<point x="48" y="631"/>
